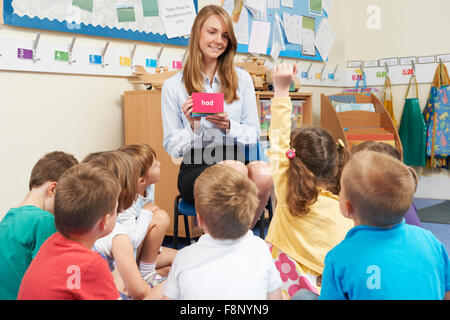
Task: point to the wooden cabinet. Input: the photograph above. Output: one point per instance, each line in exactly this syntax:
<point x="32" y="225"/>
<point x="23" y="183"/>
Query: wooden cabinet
<point x="304" y="97"/>
<point x="143" y="124"/>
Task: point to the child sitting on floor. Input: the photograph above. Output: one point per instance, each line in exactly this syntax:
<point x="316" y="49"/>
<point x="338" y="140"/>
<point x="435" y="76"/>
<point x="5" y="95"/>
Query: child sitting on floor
<point x="117" y="247"/>
<point x="305" y="168"/>
<point x="392" y="260"/>
<point x="228" y="261"/>
<point x="146" y="222"/>
<point x="65" y="267"/>
<point x="411" y="216"/>
<point x="26" y="227"/>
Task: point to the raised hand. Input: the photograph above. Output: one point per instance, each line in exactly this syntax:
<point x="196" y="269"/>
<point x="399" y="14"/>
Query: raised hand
<point x="283" y="75"/>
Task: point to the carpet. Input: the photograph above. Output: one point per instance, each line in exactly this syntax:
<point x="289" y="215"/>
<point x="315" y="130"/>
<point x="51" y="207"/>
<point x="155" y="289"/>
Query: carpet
<point x="439" y="213"/>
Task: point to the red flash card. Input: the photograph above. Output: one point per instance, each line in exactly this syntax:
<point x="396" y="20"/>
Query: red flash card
<point x="206" y="104"/>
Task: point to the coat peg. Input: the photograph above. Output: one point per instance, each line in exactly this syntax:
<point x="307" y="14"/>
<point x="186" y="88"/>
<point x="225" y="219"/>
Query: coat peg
<point x="133" y="51"/>
<point x="334" y="73"/>
<point x="386" y="68"/>
<point x="158" y="58"/>
<point x="72" y="44"/>
<point x="35" y="45"/>
<point x="309" y="69"/>
<point x="413" y="66"/>
<point x="184" y="56"/>
<point x="105" y="48"/>
<point x="321" y="72"/>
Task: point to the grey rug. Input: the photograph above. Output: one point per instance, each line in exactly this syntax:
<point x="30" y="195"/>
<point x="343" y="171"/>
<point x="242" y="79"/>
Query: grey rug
<point x="439" y="213"/>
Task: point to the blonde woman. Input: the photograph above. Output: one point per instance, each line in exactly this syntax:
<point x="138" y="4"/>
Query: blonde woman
<point x="217" y="138"/>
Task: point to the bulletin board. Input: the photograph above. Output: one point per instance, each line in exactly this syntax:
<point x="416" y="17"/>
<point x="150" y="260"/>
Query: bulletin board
<point x="39" y="14"/>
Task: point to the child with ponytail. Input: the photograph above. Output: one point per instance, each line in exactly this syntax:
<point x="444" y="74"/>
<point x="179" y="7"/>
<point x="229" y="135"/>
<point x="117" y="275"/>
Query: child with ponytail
<point x="306" y="166"/>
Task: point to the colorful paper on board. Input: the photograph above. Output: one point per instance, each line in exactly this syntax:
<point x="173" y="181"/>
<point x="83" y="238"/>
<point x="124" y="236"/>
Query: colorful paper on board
<point x="24" y="53"/>
<point x="207" y="103"/>
<point x="151" y="8"/>
<point x="151" y="63"/>
<point x="95" y="59"/>
<point x="87" y="5"/>
<point x="125" y="61"/>
<point x="238" y="6"/>
<point x="125" y="13"/>
<point x="315" y="7"/>
<point x="61" y="56"/>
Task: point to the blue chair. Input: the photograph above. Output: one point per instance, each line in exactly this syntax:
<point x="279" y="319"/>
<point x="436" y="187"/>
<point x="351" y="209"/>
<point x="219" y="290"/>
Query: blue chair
<point x="186" y="209"/>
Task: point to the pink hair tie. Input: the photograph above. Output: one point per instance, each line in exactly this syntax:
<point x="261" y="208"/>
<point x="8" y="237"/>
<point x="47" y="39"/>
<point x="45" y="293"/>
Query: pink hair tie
<point x="290" y="154"/>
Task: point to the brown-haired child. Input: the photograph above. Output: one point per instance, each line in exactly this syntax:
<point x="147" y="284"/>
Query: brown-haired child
<point x="411" y="216"/>
<point x="395" y="261"/>
<point x="117" y="247"/>
<point x="146" y="222"/>
<point x="65" y="267"/>
<point x="228" y="261"/>
<point x="305" y="168"/>
<point x="26" y="227"/>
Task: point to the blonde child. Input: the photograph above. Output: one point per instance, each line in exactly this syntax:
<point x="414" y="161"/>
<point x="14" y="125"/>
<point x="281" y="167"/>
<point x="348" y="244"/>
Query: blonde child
<point x="65" y="267"/>
<point x="305" y="166"/>
<point x="146" y="222"/>
<point x="228" y="261"/>
<point x="117" y="247"/>
<point x="393" y="260"/>
<point x="26" y="227"/>
<point x="411" y="216"/>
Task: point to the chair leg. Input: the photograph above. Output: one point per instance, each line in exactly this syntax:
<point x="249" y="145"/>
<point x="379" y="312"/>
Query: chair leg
<point x="262" y="219"/>
<point x="175" y="232"/>
<point x="186" y="229"/>
<point x="261" y="225"/>
<point x="175" y="223"/>
<point x="270" y="208"/>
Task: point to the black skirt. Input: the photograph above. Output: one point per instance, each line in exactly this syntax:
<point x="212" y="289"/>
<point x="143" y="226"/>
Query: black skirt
<point x="197" y="160"/>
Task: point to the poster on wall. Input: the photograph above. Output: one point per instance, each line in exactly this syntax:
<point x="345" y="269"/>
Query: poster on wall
<point x="126" y="19"/>
<point x="162" y="21"/>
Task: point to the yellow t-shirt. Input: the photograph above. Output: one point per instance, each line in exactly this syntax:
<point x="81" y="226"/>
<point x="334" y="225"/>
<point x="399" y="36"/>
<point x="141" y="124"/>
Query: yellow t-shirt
<point x="306" y="239"/>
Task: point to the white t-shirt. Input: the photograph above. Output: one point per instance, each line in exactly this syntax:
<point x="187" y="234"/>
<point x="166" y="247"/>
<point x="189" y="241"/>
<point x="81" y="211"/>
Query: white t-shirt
<point x="136" y="219"/>
<point x="104" y="245"/>
<point x="213" y="269"/>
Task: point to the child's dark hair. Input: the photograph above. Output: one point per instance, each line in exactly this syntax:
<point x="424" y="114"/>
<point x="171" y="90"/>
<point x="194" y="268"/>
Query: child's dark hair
<point x="318" y="162"/>
<point x="50" y="167"/>
<point x="380" y="147"/>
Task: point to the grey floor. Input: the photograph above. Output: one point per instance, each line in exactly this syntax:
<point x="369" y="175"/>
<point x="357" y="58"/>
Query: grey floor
<point x="440" y="230"/>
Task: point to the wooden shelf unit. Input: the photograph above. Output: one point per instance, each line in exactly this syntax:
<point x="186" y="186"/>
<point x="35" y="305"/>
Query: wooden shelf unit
<point x="307" y="110"/>
<point x="378" y="122"/>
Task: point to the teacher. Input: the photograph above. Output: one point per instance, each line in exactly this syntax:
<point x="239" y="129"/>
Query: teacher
<point x="218" y="138"/>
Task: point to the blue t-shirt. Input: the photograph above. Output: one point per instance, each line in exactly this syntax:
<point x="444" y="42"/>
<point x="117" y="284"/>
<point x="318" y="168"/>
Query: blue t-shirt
<point x="403" y="262"/>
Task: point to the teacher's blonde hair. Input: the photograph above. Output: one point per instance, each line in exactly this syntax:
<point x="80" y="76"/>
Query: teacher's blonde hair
<point x="192" y="77"/>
